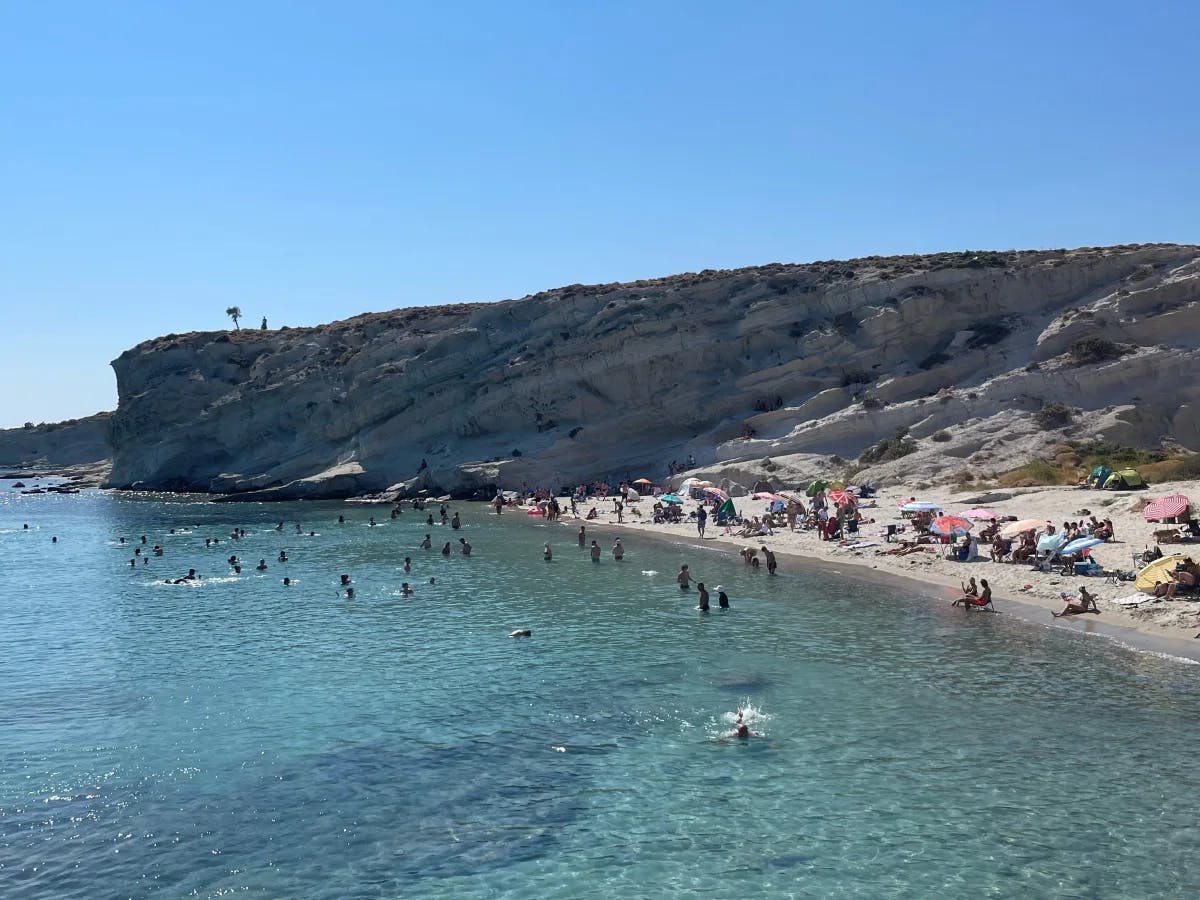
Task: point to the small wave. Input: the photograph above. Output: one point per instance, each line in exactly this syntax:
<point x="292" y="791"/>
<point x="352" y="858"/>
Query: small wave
<point x="649" y="572"/>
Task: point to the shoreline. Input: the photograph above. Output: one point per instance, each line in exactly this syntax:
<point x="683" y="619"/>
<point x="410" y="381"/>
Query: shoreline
<point x="1167" y="628"/>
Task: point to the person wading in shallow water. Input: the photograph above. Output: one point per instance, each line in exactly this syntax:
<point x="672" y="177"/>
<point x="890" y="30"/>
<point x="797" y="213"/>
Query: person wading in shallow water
<point x="684" y="578"/>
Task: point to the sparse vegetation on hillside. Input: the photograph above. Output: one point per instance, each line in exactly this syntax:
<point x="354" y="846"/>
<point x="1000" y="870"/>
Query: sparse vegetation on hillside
<point x="895" y="447"/>
<point x="1053" y="415"/>
<point x="1090" y="350"/>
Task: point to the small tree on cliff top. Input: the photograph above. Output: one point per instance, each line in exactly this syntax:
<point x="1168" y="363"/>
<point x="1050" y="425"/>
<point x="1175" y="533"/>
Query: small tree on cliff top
<point x="235" y="313"/>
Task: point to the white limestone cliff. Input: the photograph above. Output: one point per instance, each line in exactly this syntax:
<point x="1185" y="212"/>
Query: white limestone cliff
<point x="819" y="360"/>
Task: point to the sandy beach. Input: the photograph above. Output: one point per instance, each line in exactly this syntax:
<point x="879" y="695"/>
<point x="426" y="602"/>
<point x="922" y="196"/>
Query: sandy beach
<point x="1166" y="626"/>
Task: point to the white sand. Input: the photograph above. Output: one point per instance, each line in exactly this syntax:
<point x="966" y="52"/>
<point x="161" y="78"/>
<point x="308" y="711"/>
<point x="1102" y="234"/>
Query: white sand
<point x="1175" y="624"/>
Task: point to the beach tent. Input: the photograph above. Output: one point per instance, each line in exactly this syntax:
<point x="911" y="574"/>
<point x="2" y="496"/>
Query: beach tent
<point x="1159" y="570"/>
<point x="1124" y="480"/>
<point x="1170" y="507"/>
<point x="726" y="511"/>
<point x="1099" y="476"/>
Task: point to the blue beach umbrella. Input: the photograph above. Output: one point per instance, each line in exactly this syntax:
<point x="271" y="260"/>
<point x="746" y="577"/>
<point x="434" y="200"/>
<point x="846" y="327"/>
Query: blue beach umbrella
<point x="921" y="506"/>
<point x="1078" y="544"/>
<point x="671" y="498"/>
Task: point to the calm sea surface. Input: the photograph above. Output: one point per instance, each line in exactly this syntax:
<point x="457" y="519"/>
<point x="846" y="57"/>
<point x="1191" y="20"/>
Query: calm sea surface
<point x="236" y="737"/>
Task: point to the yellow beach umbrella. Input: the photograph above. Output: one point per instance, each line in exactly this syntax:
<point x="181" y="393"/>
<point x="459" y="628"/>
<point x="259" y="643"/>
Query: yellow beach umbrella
<point x="1159" y="570"/>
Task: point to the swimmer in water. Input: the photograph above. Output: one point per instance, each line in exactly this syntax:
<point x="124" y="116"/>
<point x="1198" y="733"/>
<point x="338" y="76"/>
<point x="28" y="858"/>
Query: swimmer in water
<point x="547" y="555"/>
<point x="464" y="546"/>
<point x="703" y="605"/>
<point x="407" y="564"/>
<point x="454" y="523"/>
<point x="405" y="590"/>
<point x="427" y="544"/>
<point x="722" y="598"/>
<point x="345" y="580"/>
<point x="341" y="520"/>
<point x="618" y="550"/>
<point x="446" y="549"/>
<point x="282" y="556"/>
<point x="262" y="565"/>
<point x="287" y="582"/>
<point x="522" y="632"/>
<point x="349" y="593"/>
<point x="595" y="552"/>
<point x="684" y="578"/>
<point x="372" y="522"/>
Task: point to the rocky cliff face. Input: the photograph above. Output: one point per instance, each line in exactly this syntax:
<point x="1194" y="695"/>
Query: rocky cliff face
<point x="57" y="444"/>
<point x="793" y="362"/>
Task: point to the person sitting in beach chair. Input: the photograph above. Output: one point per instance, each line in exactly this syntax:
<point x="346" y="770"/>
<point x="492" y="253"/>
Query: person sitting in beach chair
<point x="1000" y="549"/>
<point x="1183" y="579"/>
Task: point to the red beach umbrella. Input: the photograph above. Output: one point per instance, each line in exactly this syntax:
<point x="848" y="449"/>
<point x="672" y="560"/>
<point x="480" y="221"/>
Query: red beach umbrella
<point x="950" y="525"/>
<point x="1166" y="508"/>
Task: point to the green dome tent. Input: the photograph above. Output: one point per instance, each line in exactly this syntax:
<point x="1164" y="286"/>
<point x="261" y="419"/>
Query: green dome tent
<point x="1124" y="480"/>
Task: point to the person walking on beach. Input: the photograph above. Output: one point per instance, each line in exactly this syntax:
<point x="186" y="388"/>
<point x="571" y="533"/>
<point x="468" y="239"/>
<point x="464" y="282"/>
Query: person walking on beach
<point x="770" y="558"/>
<point x="595" y="551"/>
<point x="701" y="520"/>
<point x="703" y="604"/>
<point x="684" y="578"/>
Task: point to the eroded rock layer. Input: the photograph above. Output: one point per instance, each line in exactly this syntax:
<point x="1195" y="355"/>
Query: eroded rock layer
<point x="793" y="362"/>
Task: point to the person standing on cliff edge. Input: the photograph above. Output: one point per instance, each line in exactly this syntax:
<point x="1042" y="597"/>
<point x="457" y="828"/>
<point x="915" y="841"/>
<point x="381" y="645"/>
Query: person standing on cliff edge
<point x="264" y="324"/>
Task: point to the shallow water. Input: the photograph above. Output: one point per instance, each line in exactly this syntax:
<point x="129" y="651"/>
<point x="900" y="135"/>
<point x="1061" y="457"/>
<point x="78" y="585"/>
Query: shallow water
<point x="238" y="737"/>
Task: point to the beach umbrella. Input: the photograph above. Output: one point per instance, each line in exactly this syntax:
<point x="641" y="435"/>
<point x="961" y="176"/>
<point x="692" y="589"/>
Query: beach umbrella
<point x="715" y="492"/>
<point x="1049" y="543"/>
<point x="1012" y="529"/>
<point x="765" y="495"/>
<point x="921" y="506"/>
<point x="1083" y="543"/>
<point x="981" y="513"/>
<point x="950" y="525"/>
<point x="1159" y="570"/>
<point x="1168" y="507"/>
<point x="671" y="498"/>
<point x="642" y="481"/>
<point x="816" y="487"/>
<point x="841" y="497"/>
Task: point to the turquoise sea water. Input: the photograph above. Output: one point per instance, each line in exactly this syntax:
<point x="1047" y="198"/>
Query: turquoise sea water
<point x="235" y="737"/>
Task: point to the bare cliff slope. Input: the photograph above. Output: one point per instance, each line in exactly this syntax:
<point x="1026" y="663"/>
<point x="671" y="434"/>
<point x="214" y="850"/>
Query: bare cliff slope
<point x="805" y="364"/>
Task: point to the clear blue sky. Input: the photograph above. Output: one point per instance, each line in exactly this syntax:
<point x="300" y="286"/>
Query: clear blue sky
<point x="311" y="161"/>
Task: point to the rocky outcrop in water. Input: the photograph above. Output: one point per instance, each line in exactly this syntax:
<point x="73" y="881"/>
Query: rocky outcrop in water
<point x="798" y="363"/>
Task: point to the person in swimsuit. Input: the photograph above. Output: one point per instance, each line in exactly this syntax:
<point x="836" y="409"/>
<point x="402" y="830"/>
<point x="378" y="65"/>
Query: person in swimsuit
<point x="582" y="535"/>
<point x="684" y="578"/>
<point x="446" y="549"/>
<point x="722" y="598"/>
<point x="595" y="552"/>
<point x="770" y="558"/>
<point x="703" y="604"/>
<point x="464" y="546"/>
<point x="547" y="555"/>
<point x="262" y="565"/>
<point x="618" y="550"/>
<point x="405" y="590"/>
<point x="1085" y="603"/>
<point x="454" y="523"/>
<point x="427" y="544"/>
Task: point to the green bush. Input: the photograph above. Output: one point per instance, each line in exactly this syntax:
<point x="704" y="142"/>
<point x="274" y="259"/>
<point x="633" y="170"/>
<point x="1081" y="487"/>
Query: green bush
<point x="1053" y="415"/>
<point x="897" y="446"/>
<point x="1091" y="350"/>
